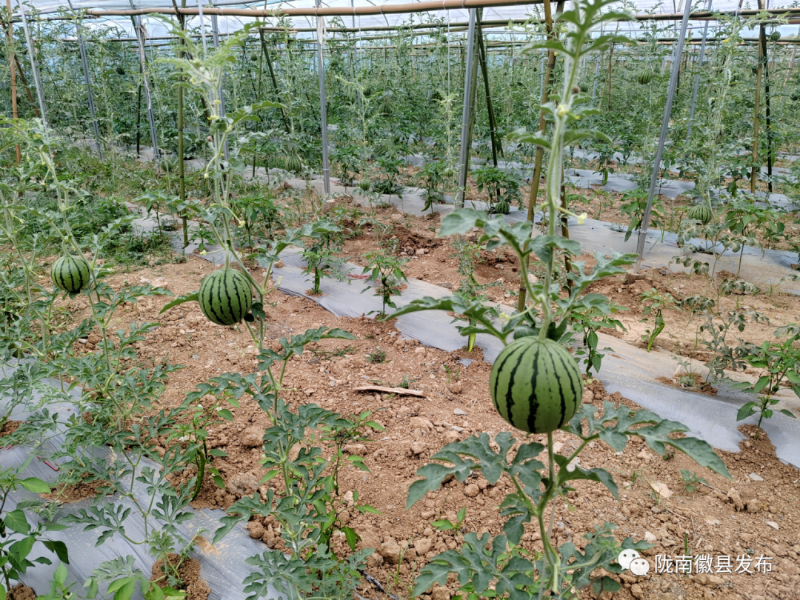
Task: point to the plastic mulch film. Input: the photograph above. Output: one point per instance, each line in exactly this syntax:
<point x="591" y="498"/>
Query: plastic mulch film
<point x="223" y="566"/>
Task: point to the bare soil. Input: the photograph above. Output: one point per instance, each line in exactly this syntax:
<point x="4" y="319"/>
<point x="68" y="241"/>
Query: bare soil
<point x="21" y="592"/>
<point x="739" y="517"/>
<point x="189" y="572"/>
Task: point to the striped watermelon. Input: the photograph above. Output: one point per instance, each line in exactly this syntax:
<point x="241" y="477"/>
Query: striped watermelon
<point x="701" y="213"/>
<point x="70" y="273"/>
<point x="536" y="386"/>
<point x="225" y="296"/>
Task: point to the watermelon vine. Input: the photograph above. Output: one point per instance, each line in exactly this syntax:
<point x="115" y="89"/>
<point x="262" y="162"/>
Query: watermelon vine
<point x="536" y="383"/>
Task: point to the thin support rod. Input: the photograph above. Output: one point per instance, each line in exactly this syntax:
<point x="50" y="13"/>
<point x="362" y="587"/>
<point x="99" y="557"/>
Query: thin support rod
<point x="697" y="78"/>
<point x="496" y="143"/>
<point x="465" y="116"/>
<point x="181" y="124"/>
<point x="323" y="109"/>
<point x="11" y="57"/>
<point x="215" y="40"/>
<point x="662" y="138"/>
<point x="139" y="27"/>
<point x="756" y="111"/>
<point x="539" y="157"/>
<point x="265" y="50"/>
<point x="31" y="52"/>
<point x="88" y="81"/>
<point x="768" y="109"/>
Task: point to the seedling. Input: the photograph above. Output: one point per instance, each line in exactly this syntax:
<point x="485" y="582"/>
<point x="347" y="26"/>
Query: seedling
<point x="691" y="480"/>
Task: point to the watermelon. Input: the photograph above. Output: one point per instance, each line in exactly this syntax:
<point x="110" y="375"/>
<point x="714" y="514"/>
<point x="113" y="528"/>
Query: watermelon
<point x="645" y="77"/>
<point x="701" y="213"/>
<point x="70" y="273"/>
<point x="775" y="36"/>
<point x="292" y="163"/>
<point x="536" y="385"/>
<point x="501" y="208"/>
<point x="225" y="296"/>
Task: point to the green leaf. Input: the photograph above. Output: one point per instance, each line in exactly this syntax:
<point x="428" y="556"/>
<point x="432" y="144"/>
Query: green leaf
<point x="180" y="300"/>
<point x="745" y="411"/>
<point x="16" y="521"/>
<point x="226" y="414"/>
<point x="217" y="452"/>
<point x="787" y="413"/>
<point x="351" y="536"/>
<point x="60" y="548"/>
<point x="461" y="221"/>
<point x="35" y="485"/>
<point x="761" y="384"/>
<point x="443" y="525"/>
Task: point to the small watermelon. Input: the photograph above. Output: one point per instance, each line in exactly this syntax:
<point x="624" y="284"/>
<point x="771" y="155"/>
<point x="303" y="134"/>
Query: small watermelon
<point x="645" y="77"/>
<point x="120" y="71"/>
<point x="70" y="273"/>
<point x="292" y="163"/>
<point x="225" y="296"/>
<point x="501" y="208"/>
<point x="775" y="36"/>
<point x="536" y="386"/>
<point x="584" y="88"/>
<point x="701" y="213"/>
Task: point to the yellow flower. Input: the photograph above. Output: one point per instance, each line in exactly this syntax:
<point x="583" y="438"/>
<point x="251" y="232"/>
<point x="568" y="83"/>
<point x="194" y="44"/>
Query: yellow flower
<point x="582" y="218"/>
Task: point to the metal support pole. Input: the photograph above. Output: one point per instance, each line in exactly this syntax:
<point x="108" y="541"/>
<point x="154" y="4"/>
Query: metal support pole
<point x="596" y="76"/>
<point x="87" y="79"/>
<point x="146" y="86"/>
<point x="32" y="58"/>
<point x="697" y="77"/>
<point x="465" y="116"/>
<point x="673" y="83"/>
<point x="323" y="110"/>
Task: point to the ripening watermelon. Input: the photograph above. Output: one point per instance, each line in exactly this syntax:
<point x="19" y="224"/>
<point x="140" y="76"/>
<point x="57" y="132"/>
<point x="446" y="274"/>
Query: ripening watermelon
<point x="70" y="273"/>
<point x="701" y="213"/>
<point x="501" y="208"/>
<point x="225" y="296"/>
<point x="645" y="77"/>
<point x="536" y="385"/>
<point x="292" y="163"/>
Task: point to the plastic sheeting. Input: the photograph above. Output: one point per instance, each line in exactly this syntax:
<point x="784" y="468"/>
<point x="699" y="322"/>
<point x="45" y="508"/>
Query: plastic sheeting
<point x="223" y="567"/>
<point x="627" y="369"/>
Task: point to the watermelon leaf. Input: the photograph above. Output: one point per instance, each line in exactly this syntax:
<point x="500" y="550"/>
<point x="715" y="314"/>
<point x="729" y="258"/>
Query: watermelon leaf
<point x="180" y="300"/>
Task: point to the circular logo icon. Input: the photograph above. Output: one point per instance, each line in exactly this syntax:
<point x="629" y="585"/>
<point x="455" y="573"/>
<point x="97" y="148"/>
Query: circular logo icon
<point x="625" y="557"/>
<point x="639" y="566"/>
